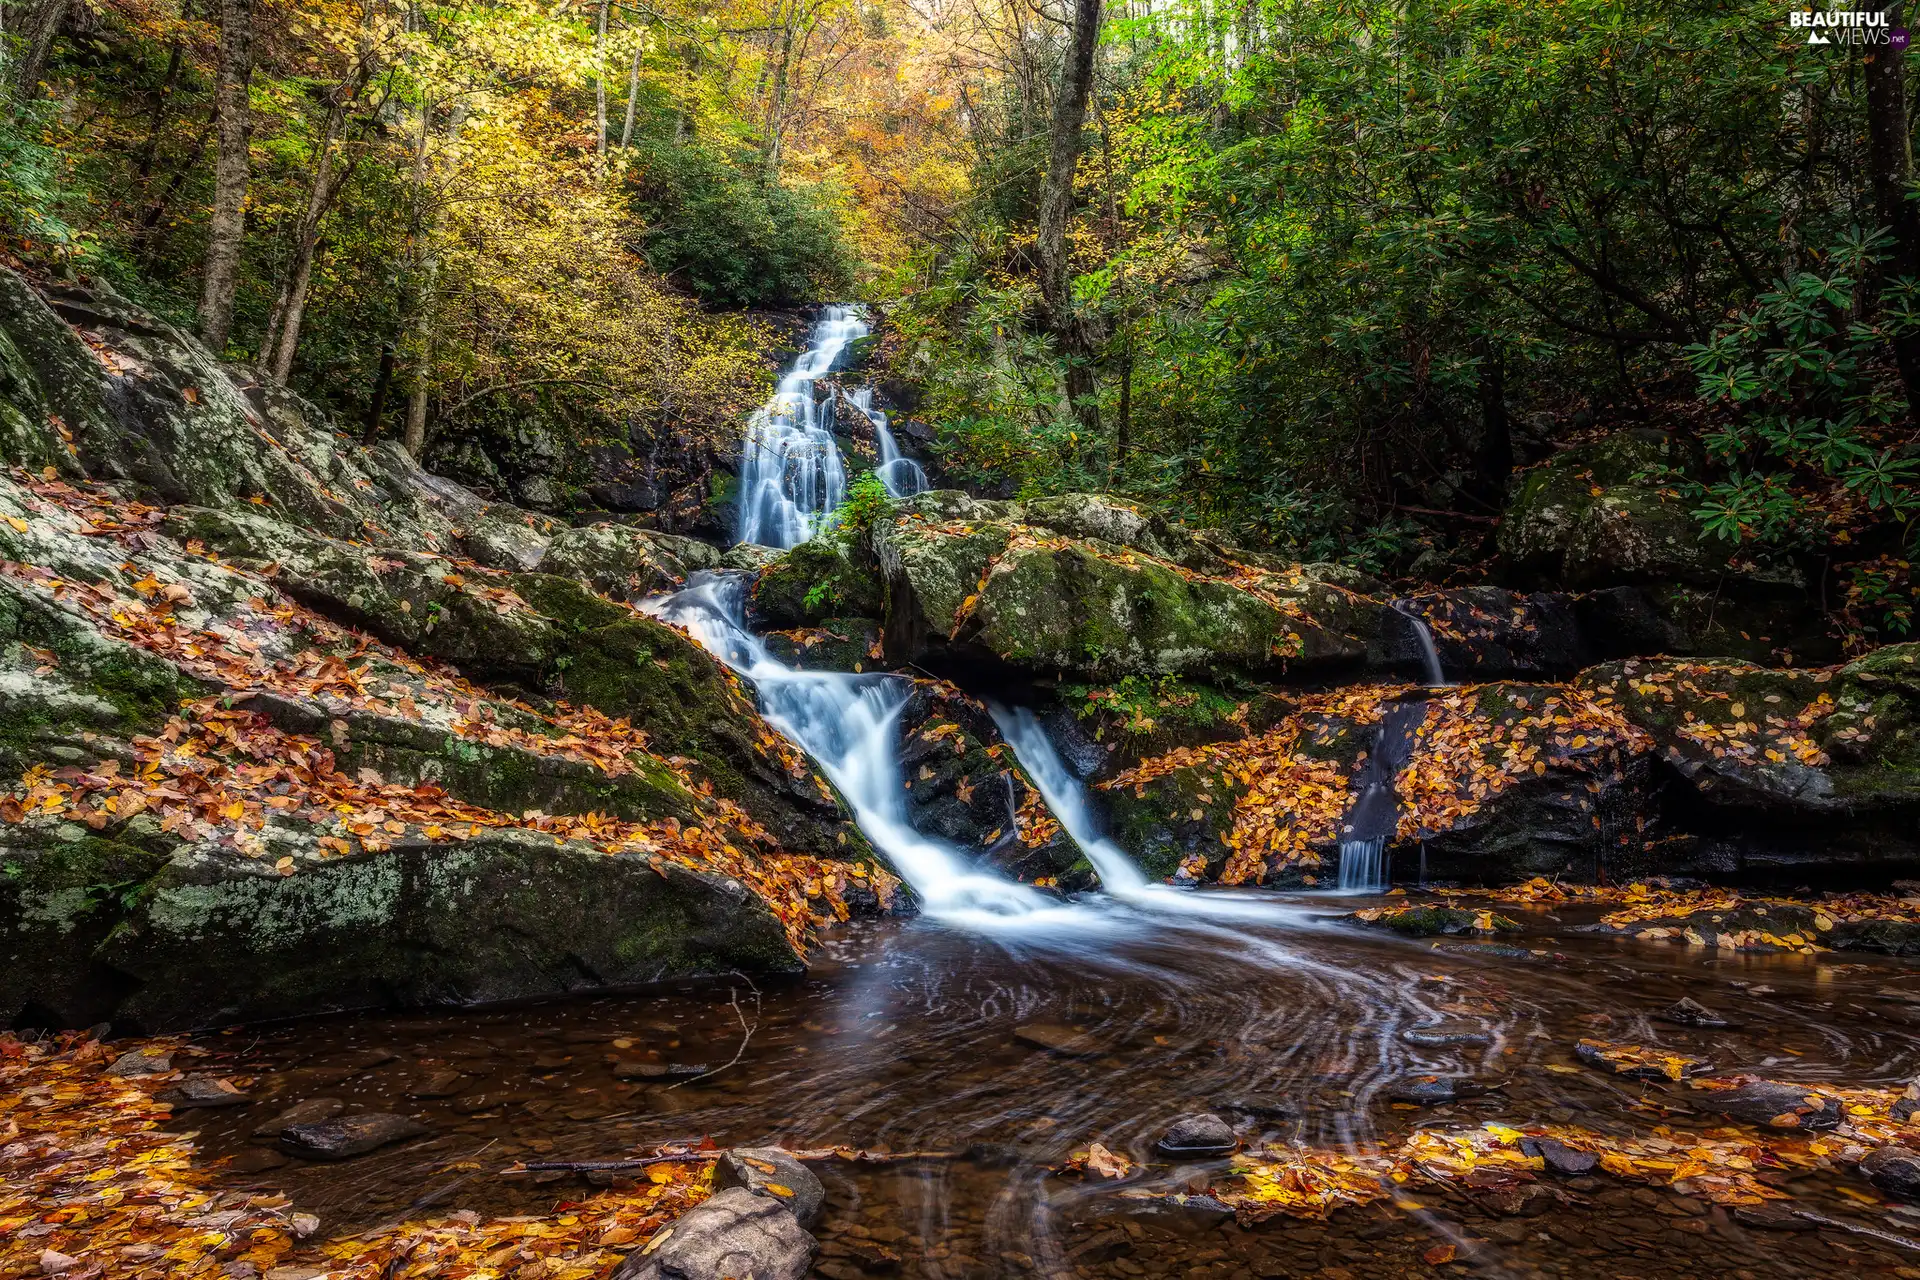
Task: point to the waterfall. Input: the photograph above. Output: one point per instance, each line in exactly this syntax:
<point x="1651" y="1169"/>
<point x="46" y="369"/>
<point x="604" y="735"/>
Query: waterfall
<point x="791" y="473"/>
<point x="849" y="724"/>
<point x="901" y="474"/>
<point x="1362" y="865"/>
<point x="1436" y="678"/>
<point x="1374" y="814"/>
<point x="1066" y="798"/>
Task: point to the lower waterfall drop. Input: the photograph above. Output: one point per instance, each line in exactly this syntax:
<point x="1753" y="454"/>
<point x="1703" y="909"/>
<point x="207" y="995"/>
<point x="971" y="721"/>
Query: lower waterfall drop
<point x="849" y="725"/>
<point x="1066" y="798"/>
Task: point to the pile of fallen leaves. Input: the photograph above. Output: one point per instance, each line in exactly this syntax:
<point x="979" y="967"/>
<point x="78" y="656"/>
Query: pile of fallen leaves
<point x="1472" y="746"/>
<point x="90" y="1186"/>
<point x="1300" y="1182"/>
<point x="1722" y="722"/>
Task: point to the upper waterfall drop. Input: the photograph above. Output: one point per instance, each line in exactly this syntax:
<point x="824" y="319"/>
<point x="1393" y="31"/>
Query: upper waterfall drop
<point x="791" y="473"/>
<point x="792" y="477"/>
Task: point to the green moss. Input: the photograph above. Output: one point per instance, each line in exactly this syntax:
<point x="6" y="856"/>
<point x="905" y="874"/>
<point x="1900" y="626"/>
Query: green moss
<point x="567" y="602"/>
<point x="1428" y="922"/>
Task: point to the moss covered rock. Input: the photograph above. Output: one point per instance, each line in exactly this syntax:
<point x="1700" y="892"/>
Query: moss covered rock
<point x="624" y="562"/>
<point x="819" y="579"/>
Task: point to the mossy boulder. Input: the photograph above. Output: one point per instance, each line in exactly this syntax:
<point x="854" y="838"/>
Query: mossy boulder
<point x="1417" y="920"/>
<point x="1009" y="593"/>
<point x="502" y="537"/>
<point x="626" y="563"/>
<point x="217" y="937"/>
<point x="1604" y="514"/>
<point x="837" y="644"/>
<point x="819" y="579"/>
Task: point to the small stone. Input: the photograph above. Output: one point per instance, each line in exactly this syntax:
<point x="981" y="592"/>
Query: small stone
<point x="770" y="1171"/>
<point x="731" y="1233"/>
<point x="256" y="1160"/>
<point x="1055" y="1038"/>
<point x="1688" y="1012"/>
<point x="142" y="1062"/>
<point x="1442" y="1034"/>
<point x="1774" y="1105"/>
<point x="203" y="1091"/>
<point x="1908" y="1102"/>
<point x="1199" y="1134"/>
<point x="1258" y="1108"/>
<point x="1770" y="1216"/>
<point x="312" y="1111"/>
<point x="364" y="1059"/>
<point x="628" y="1070"/>
<point x="349" y="1136"/>
<point x="1430" y="1091"/>
<point x="1895" y="1170"/>
<point x="1560" y="1158"/>
<point x="441" y="1084"/>
<point x="55" y="1263"/>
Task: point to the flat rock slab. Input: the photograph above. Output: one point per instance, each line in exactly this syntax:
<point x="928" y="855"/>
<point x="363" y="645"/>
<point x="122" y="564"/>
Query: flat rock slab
<point x="203" y="1091"/>
<point x="312" y="1111"/>
<point x="730" y="1236"/>
<point x="1773" y="1105"/>
<point x="1688" y="1012"/>
<point x="1568" y="1162"/>
<point x="349" y="1136"/>
<point x="771" y="1171"/>
<point x="142" y="1062"/>
<point x="1056" y="1038"/>
<point x="441" y="1084"/>
<point x="1430" y="1091"/>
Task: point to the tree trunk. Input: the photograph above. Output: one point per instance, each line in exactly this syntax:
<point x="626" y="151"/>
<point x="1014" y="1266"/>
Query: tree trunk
<point x="36" y="39"/>
<point x="1056" y="208"/>
<point x="1493" y="456"/>
<point x="600" y="92"/>
<point x="633" y="91"/>
<point x="227" y="228"/>
<point x="1890" y="161"/>
<point x="176" y="62"/>
<point x="776" y="106"/>
<point x="382" y="383"/>
<point x="290" y="303"/>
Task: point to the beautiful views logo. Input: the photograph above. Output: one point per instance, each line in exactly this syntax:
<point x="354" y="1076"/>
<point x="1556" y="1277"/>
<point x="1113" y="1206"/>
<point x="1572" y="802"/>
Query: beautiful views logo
<point x="1848" y="27"/>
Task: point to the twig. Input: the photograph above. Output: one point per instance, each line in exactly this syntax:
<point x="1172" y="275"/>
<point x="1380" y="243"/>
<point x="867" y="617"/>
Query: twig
<point x="603" y="1166"/>
<point x="733" y="998"/>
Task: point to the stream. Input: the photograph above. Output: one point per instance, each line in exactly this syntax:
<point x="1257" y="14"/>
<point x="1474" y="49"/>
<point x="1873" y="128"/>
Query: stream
<point x="1003" y="1027"/>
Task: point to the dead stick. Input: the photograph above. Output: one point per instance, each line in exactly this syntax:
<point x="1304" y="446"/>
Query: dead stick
<point x="1888" y="1236"/>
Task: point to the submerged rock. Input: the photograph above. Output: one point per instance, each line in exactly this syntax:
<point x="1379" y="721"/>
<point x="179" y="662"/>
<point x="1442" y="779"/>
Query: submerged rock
<point x="348" y="1136"/>
<point x="1895" y="1170"/>
<point x="203" y="1091"/>
<point x="1568" y="1162"/>
<point x="311" y="1111"/>
<point x="1432" y="1090"/>
<point x="773" y="1172"/>
<point x="730" y="1236"/>
<point x="1063" y="1040"/>
<point x="1199" y="1134"/>
<point x="1774" y="1105"/>
<point x="1688" y="1012"/>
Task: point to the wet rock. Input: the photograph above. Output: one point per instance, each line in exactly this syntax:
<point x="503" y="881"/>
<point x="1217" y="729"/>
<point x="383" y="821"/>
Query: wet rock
<point x="142" y="1062"/>
<point x="1429" y="1091"/>
<point x="771" y="1171"/>
<point x="1908" y="1103"/>
<point x="1895" y="1170"/>
<point x="1258" y="1108"/>
<point x="1771" y="1216"/>
<point x="732" y="1235"/>
<point x="1774" y="1105"/>
<point x="311" y="1111"/>
<point x="1559" y="1157"/>
<point x="1199" y="1134"/>
<point x="349" y="1136"/>
<point x="203" y="1091"/>
<point x="1688" y="1012"/>
<point x="1428" y="922"/>
<point x="1063" y="1040"/>
<point x="992" y="1155"/>
<point x="1442" y="1034"/>
<point x="441" y="1084"/>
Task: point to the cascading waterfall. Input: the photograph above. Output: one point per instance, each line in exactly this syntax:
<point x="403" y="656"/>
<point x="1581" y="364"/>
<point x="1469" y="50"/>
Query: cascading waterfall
<point x="902" y="475"/>
<point x="1375" y="811"/>
<point x="1066" y="798"/>
<point x="791" y="473"/>
<point x="1436" y="677"/>
<point x="849" y="725"/>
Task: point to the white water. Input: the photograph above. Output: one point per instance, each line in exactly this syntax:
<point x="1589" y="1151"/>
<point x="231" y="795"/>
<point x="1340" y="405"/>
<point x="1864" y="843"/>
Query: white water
<point x="1363" y="865"/>
<point x="1066" y="798"/>
<point x="1436" y="677"/>
<point x="849" y="725"/>
<point x="791" y="474"/>
<point x="901" y="474"/>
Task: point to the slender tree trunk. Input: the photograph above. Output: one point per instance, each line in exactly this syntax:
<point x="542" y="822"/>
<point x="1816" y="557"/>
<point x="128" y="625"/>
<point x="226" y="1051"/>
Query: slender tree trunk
<point x="36" y="38"/>
<point x="600" y="92"/>
<point x="156" y="211"/>
<point x="176" y="62"/>
<point x="382" y="384"/>
<point x="290" y="303"/>
<point x="633" y="92"/>
<point x="1056" y="209"/>
<point x="1890" y="160"/>
<point x="1493" y="458"/>
<point x="1123" y="429"/>
<point x="776" y="106"/>
<point x="227" y="228"/>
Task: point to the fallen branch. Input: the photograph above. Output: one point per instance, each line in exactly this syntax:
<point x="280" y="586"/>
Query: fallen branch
<point x="852" y="1155"/>
<point x="1821" y="1219"/>
<point x="733" y="998"/>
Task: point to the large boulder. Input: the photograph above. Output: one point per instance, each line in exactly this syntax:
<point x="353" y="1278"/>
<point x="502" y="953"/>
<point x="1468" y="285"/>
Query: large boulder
<point x="731" y="1236"/>
<point x="817" y="580"/>
<point x="976" y="583"/>
<point x="624" y="562"/>
<point x="1607" y="513"/>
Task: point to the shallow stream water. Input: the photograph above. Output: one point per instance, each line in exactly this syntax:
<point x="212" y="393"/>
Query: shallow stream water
<point x="909" y="1037"/>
